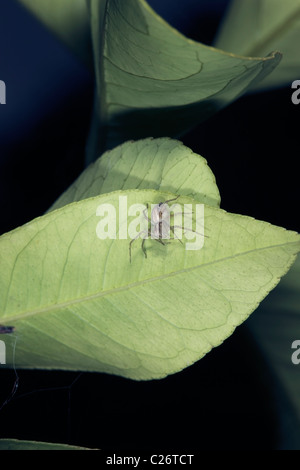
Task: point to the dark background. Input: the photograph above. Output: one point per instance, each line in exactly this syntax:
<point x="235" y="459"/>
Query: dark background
<point x="228" y="400"/>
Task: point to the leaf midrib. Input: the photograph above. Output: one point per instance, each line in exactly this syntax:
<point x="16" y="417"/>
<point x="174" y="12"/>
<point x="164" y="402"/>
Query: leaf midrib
<point x="87" y="298"/>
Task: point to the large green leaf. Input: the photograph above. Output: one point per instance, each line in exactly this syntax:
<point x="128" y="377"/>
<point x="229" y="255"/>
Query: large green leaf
<point x="161" y="164"/>
<point x="15" y="444"/>
<point x="255" y="27"/>
<point x="276" y="327"/>
<point x="77" y="303"/>
<point x="69" y="20"/>
<point x="151" y="80"/>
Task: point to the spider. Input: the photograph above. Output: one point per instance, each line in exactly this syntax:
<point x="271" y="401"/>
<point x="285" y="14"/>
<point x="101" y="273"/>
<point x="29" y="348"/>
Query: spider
<point x="160" y="226"/>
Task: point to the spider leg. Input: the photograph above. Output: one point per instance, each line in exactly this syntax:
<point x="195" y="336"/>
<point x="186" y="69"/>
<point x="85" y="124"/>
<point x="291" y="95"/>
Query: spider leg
<point x="191" y="230"/>
<point x="146" y="216"/>
<point x="180" y="213"/>
<point x="172" y="229"/>
<point x="144" y="248"/>
<point x="159" y="240"/>
<point x="133" y="240"/>
<point x="170" y="200"/>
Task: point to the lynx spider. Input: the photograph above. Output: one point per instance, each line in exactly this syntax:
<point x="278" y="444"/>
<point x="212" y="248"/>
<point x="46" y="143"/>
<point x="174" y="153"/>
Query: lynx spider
<point x="159" y="221"/>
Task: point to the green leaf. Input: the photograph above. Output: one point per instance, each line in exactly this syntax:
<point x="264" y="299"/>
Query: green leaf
<point x="255" y="27"/>
<point x="77" y="303"/>
<point x="276" y="327"/>
<point x="15" y="444"/>
<point x="69" y="20"/>
<point x="151" y="80"/>
<point x="161" y="164"/>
